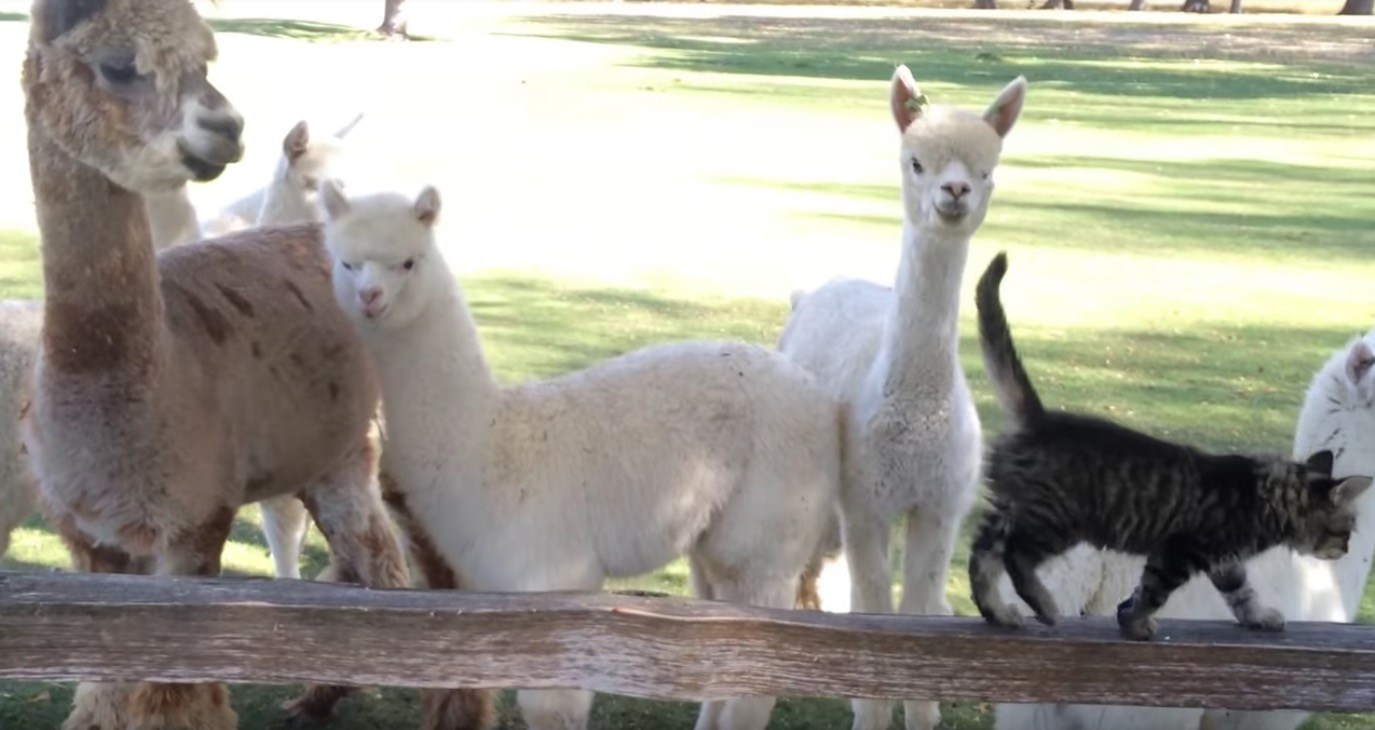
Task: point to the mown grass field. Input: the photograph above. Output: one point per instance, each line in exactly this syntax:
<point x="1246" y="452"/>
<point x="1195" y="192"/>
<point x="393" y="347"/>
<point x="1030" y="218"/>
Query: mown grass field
<point x="1186" y="204"/>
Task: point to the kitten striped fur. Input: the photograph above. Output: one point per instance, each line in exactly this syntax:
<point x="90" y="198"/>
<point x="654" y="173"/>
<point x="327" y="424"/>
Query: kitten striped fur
<point x="1057" y="479"/>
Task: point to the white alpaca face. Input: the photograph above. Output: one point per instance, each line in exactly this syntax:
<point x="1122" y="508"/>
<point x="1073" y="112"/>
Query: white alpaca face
<point x="384" y="255"/>
<point x="948" y="154"/>
<point x="306" y="163"/>
<point x="147" y="117"/>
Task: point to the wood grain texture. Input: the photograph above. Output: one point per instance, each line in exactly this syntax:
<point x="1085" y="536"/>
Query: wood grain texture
<point x="62" y="626"/>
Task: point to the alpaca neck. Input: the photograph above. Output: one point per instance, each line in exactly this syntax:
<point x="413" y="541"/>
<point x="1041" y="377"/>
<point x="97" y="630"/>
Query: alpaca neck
<point x="921" y="337"/>
<point x="283" y="204"/>
<point x="439" y="395"/>
<point x="102" y="307"/>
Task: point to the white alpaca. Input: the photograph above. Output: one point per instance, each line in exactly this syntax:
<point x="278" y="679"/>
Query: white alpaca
<point x="727" y="453"/>
<point x="912" y="440"/>
<point x="291" y="196"/>
<point x="1339" y="414"/>
<point x="172" y="218"/>
<point x="20" y="321"/>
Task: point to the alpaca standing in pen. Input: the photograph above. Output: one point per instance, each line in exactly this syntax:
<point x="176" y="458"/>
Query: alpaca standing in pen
<point x="726" y="453"/>
<point x="912" y="442"/>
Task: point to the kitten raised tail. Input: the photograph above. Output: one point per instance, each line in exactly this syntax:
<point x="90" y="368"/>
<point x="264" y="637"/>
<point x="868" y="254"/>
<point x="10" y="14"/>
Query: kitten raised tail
<point x="1020" y="403"/>
<point x="1021" y="408"/>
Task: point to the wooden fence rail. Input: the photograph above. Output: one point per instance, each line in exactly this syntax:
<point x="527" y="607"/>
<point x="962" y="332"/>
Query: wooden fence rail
<point x="62" y="626"/>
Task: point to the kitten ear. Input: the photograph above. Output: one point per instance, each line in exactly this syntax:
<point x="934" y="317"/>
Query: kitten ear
<point x="1358" y="361"/>
<point x="332" y="198"/>
<point x="1321" y="461"/>
<point x="1349" y="489"/>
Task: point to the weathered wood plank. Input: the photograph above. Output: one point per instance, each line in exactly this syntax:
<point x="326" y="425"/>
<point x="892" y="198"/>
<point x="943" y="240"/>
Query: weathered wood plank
<point x="55" y="626"/>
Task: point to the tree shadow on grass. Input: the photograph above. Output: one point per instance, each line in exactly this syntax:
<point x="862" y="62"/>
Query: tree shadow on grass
<point x="1114" y="59"/>
<point x="299" y="30"/>
<point x="1257" y="209"/>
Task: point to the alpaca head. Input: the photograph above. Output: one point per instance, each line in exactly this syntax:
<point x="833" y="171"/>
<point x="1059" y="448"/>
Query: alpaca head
<point x="306" y="162"/>
<point x="948" y="154"/>
<point x="120" y="85"/>
<point x="386" y="262"/>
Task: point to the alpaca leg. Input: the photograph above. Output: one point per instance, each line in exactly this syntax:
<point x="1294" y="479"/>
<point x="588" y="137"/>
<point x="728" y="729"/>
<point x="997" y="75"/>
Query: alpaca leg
<point x="871" y="591"/>
<point x="347" y="507"/>
<point x="930" y="544"/>
<point x="96" y="704"/>
<point x="746" y="713"/>
<point x="284" y="526"/>
<point x="701" y="588"/>
<point x="157" y="706"/>
<point x="441" y="709"/>
<point x="554" y="709"/>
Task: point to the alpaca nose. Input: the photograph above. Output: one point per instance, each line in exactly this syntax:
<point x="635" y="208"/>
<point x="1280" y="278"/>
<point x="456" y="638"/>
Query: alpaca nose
<point x="957" y="189"/>
<point x="229" y="126"/>
<point x="370" y="294"/>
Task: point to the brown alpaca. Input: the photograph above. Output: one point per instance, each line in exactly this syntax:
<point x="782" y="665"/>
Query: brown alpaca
<point x="170" y="390"/>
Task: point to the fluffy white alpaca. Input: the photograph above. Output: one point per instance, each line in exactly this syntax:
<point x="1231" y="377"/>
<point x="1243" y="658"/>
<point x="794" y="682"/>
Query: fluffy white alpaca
<point x="292" y="194"/>
<point x="1338" y="413"/>
<point x="727" y="453"/>
<point x="20" y="321"/>
<point x="912" y="440"/>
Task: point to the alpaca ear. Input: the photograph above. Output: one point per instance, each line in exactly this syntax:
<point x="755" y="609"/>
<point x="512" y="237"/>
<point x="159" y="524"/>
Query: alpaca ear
<point x="905" y="98"/>
<point x="296" y="142"/>
<point x="427" y="205"/>
<point x="1321" y="461"/>
<point x="1003" y="113"/>
<point x="1358" y="361"/>
<point x="344" y="131"/>
<point x="1349" y="489"/>
<point x="332" y="198"/>
<point x="59" y="16"/>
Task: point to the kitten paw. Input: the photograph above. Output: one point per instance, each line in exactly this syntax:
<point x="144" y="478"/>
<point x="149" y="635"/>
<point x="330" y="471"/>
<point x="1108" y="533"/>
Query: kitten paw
<point x="1266" y="619"/>
<point x="1124" y="611"/>
<point x="1003" y="616"/>
<point x="1140" y="629"/>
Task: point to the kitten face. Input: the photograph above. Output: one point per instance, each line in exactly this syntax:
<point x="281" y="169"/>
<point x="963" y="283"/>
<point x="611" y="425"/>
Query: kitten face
<point x="1329" y="526"/>
<point x="1331" y="508"/>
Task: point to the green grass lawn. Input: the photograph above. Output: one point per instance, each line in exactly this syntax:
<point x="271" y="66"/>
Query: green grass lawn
<point x="1189" y="219"/>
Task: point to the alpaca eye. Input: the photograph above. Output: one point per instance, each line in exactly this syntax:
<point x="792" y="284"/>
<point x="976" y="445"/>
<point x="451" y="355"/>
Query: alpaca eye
<point x="408" y="264"/>
<point x="916" y="166"/>
<point x="118" y="74"/>
<point x="985" y="176"/>
<point x="348" y="265"/>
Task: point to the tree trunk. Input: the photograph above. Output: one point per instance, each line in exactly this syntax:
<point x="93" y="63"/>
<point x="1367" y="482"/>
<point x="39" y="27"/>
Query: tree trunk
<point x="1052" y="4"/>
<point x="394" y="19"/>
<point x="1136" y="4"/>
<point x="985" y="4"/>
<point x="1357" y="7"/>
<point x="1236" y="6"/>
<point x="1196" y="6"/>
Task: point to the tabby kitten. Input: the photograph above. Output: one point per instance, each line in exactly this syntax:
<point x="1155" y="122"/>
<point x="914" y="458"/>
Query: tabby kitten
<point x="1057" y="479"/>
